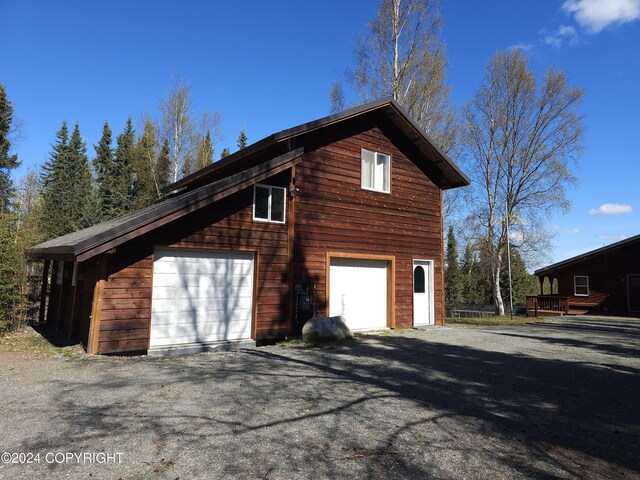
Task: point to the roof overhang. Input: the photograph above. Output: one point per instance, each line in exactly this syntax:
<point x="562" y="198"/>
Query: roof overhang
<point x="450" y="175"/>
<point x="588" y="255"/>
<point x="92" y="241"/>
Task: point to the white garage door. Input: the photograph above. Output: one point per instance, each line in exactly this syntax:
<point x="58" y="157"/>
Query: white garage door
<point x="358" y="292"/>
<point x="201" y="296"/>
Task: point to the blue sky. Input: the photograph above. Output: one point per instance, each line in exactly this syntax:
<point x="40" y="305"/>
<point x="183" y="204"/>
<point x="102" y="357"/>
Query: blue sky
<point x="270" y="65"/>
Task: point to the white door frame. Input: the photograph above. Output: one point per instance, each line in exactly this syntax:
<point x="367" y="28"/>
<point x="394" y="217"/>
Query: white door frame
<point x="428" y="266"/>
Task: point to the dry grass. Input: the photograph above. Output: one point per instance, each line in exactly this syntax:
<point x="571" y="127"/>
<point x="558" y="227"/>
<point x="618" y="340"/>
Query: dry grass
<point x="27" y="340"/>
<point x="494" y="321"/>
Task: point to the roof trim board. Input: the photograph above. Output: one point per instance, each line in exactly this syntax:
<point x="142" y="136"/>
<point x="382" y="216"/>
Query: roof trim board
<point x="100" y="238"/>
<point x="587" y="255"/>
<point x="388" y="107"/>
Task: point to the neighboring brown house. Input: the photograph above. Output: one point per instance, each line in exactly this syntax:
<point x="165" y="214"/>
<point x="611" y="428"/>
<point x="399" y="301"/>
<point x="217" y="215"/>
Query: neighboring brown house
<point x="339" y="216"/>
<point x="603" y="281"/>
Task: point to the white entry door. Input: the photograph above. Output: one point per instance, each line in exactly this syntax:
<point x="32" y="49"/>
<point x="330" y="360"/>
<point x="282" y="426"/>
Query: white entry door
<point x="423" y="292"/>
<point x="201" y="296"/>
<point x="358" y="292"/>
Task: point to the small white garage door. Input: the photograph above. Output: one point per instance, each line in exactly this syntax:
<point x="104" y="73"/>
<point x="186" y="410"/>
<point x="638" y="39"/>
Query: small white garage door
<point x="358" y="292"/>
<point x="201" y="296"/>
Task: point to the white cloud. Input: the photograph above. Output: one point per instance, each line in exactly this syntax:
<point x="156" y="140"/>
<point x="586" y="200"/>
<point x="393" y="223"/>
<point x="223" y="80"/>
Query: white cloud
<point x="596" y="15"/>
<point x="611" y="209"/>
<point x="617" y="238"/>
<point x="570" y="230"/>
<point x="559" y="36"/>
<point x="526" y="48"/>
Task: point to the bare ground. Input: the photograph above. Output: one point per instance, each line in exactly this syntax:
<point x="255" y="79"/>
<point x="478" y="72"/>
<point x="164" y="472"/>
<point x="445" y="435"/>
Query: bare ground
<point x="553" y="400"/>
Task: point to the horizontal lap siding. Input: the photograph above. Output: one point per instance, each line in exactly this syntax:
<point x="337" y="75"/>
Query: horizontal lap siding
<point x="126" y="301"/>
<point x="228" y="225"/>
<point x="607" y="274"/>
<point x="333" y="213"/>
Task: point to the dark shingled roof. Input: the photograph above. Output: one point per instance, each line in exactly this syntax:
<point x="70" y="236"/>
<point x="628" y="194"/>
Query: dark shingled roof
<point x="452" y="176"/>
<point x="592" y="253"/>
<point x="86" y="243"/>
<point x="239" y="170"/>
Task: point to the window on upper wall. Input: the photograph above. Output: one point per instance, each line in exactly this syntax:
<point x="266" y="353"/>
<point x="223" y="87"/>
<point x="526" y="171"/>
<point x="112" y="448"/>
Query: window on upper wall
<point x="269" y="203"/>
<point x="581" y="286"/>
<point x="376" y="171"/>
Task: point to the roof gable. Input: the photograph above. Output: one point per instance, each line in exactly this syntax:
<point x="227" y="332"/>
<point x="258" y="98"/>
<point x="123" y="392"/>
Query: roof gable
<point x="593" y="253"/>
<point x="388" y="111"/>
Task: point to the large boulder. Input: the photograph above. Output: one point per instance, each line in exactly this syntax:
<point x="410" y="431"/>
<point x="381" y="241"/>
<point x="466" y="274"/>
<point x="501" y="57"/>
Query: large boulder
<point x="325" y="329"/>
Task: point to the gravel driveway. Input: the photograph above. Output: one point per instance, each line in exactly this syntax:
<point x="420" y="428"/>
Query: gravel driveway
<point x="553" y="400"/>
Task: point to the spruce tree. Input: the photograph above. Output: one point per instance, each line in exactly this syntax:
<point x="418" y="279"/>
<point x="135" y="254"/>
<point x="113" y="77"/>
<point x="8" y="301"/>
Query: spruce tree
<point x="205" y="152"/>
<point x="8" y="161"/>
<point x="474" y="285"/>
<point x="103" y="166"/>
<point x="163" y="167"/>
<point x="452" y="272"/>
<point x="522" y="282"/>
<point x="68" y="200"/>
<point x="53" y="193"/>
<point x="83" y="210"/>
<point x="123" y="172"/>
<point x="242" y="139"/>
<point x="144" y="164"/>
<point x="10" y="259"/>
<point x="225" y="153"/>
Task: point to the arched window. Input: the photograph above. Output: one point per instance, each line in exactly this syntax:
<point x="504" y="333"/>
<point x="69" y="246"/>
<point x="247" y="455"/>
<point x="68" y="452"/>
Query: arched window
<point x="418" y="280"/>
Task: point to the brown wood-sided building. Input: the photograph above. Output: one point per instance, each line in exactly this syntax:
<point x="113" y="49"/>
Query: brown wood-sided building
<point x="603" y="281"/>
<point x="339" y="216"/>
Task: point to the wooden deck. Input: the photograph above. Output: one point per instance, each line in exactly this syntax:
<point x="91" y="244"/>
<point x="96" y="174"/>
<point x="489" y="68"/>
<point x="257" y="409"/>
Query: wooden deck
<point x="554" y="305"/>
<point x="547" y="305"/>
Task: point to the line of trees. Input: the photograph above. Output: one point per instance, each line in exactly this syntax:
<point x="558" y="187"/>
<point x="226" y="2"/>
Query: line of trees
<point x="517" y="139"/>
<point x="71" y="191"/>
<point x="467" y="277"/>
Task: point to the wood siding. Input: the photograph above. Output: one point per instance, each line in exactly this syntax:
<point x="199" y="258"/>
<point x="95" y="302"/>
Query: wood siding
<point x="333" y="213"/>
<point x="607" y="274"/>
<point x="227" y="225"/>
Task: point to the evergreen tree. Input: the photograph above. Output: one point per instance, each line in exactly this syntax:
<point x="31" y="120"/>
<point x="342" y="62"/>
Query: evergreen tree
<point x="163" y="167"/>
<point x="83" y="210"/>
<point x="522" y="282"/>
<point x="7" y="161"/>
<point x="144" y="165"/>
<point x="205" y="152"/>
<point x="452" y="272"/>
<point x="103" y="165"/>
<point x="68" y="203"/>
<point x="53" y="192"/>
<point x="225" y="153"/>
<point x="242" y="139"/>
<point x="123" y="172"/>
<point x="474" y="285"/>
<point x="10" y="257"/>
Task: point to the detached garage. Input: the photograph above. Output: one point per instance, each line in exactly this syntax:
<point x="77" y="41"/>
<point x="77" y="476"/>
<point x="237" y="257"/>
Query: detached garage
<point x="201" y="297"/>
<point x="338" y="216"/>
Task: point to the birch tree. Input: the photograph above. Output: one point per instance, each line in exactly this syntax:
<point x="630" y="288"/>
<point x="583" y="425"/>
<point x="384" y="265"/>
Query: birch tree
<point x="521" y="140"/>
<point x="177" y="126"/>
<point x="402" y="56"/>
<point x="183" y="134"/>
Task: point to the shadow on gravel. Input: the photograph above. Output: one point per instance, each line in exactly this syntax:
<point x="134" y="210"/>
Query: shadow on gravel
<point x="552" y="407"/>
<point x="616" y="337"/>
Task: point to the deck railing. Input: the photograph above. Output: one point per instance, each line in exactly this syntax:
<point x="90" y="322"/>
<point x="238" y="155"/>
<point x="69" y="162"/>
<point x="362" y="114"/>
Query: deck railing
<point x="547" y="304"/>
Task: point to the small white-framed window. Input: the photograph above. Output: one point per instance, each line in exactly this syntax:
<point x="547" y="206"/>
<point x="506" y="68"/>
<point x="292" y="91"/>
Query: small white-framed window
<point x="376" y="171"/>
<point x="269" y="203"/>
<point x="581" y="286"/>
